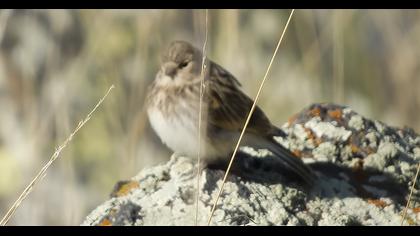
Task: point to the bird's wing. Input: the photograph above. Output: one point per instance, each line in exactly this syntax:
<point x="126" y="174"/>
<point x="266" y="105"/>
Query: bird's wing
<point x="228" y="106"/>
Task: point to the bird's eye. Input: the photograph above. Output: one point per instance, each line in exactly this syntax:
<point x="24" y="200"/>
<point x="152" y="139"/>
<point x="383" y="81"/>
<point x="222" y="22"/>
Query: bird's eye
<point x="183" y="64"/>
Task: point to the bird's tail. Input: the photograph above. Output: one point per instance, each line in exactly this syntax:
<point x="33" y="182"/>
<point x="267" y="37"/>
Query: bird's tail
<point x="291" y="161"/>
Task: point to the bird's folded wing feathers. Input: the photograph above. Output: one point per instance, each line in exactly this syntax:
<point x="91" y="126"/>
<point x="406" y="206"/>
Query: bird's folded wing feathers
<point x="229" y="106"/>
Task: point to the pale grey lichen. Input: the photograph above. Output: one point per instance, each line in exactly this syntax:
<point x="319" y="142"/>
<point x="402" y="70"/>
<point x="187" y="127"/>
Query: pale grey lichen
<point x="375" y="161"/>
<point x="371" y="137"/>
<point x="356" y="122"/>
<point x="301" y="140"/>
<point x="299" y="131"/>
<point x="326" y="129"/>
<point x="255" y="152"/>
<point x="325" y="152"/>
<point x="379" y="126"/>
<point x="346" y="154"/>
<point x="416" y="152"/>
<point x="347" y="111"/>
<point x="387" y="149"/>
<point x="354" y="211"/>
<point x="243" y="202"/>
<point x="166" y="193"/>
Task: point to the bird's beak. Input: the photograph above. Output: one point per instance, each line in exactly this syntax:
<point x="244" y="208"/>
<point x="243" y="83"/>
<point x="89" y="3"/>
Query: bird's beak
<point x="170" y="69"/>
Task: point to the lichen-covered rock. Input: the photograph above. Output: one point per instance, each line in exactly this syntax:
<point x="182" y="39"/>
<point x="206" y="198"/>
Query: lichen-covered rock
<point x="364" y="169"/>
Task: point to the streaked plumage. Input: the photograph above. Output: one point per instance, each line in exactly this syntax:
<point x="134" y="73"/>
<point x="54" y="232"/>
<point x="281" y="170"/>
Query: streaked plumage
<point x="173" y="111"/>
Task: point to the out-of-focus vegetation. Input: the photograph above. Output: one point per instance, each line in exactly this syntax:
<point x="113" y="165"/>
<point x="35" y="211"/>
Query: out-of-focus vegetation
<point x="56" y="64"/>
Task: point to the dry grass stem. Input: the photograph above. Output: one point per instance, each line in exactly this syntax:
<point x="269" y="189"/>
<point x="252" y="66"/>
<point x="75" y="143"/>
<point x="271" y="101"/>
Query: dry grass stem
<point x="41" y="174"/>
<point x="203" y="68"/>
<point x="411" y="193"/>
<point x="248" y="118"/>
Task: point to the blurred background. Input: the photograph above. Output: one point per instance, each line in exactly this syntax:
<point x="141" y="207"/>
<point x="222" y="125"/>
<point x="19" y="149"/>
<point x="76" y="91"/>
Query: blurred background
<point x="56" y="64"/>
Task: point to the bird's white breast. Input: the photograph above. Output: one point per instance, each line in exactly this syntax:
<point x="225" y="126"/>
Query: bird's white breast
<point x="179" y="132"/>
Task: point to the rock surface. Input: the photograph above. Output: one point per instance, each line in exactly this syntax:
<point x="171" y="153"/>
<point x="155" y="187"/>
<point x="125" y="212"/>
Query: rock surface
<point x="365" y="170"/>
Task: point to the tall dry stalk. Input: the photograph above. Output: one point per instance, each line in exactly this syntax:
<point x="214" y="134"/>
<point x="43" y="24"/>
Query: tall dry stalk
<point x="249" y="117"/>
<point x="411" y="193"/>
<point x="203" y="68"/>
<point x="41" y="174"/>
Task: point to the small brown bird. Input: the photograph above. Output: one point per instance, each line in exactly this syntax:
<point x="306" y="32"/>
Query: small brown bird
<point x="173" y="103"/>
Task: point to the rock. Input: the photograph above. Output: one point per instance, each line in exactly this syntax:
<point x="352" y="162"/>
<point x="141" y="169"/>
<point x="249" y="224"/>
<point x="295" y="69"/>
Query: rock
<point x="365" y="169"/>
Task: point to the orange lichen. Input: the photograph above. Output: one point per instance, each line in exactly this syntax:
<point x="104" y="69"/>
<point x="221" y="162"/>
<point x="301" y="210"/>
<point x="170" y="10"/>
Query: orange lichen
<point x="105" y="222"/>
<point x="416" y="210"/>
<point x="297" y="153"/>
<point x="377" y="202"/>
<point x="311" y="136"/>
<point x="335" y="114"/>
<point x="315" y="112"/>
<point x="309" y="133"/>
<point x="354" y="148"/>
<point x="124" y="189"/>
